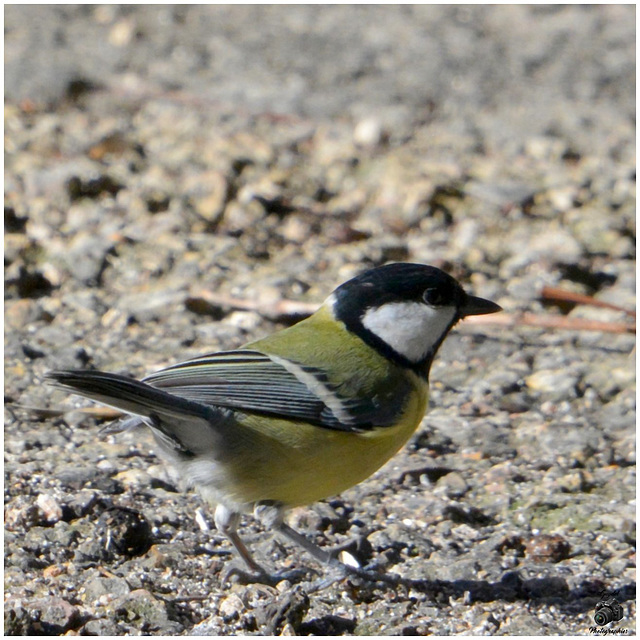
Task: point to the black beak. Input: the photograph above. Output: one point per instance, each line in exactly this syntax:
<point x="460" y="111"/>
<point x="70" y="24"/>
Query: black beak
<point x="478" y="306"/>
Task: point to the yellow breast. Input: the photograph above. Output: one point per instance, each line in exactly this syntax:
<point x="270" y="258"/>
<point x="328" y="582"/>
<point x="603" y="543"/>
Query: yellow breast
<point x="297" y="464"/>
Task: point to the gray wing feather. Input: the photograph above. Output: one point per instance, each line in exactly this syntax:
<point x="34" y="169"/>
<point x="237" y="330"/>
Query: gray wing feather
<point x="249" y="381"/>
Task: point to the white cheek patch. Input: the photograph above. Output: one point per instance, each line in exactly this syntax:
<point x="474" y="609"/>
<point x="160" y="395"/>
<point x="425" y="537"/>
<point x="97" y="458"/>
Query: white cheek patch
<point x="409" y="328"/>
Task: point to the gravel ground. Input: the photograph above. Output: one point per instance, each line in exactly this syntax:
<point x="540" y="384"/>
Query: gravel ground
<point x="160" y="159"/>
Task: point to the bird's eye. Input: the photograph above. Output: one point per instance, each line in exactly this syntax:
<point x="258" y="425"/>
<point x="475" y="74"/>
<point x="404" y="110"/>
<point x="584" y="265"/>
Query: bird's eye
<point x="433" y="297"/>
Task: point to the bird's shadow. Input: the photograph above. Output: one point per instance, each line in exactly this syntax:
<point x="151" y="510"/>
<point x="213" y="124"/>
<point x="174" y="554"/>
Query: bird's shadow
<point x="510" y="588"/>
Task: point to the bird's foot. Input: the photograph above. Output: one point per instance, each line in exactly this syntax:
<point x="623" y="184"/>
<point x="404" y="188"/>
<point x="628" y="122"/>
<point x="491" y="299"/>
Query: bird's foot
<point x="244" y="576"/>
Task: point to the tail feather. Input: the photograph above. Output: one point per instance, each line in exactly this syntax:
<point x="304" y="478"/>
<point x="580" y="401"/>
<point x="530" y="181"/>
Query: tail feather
<point x="181" y="427"/>
<point x="125" y="394"/>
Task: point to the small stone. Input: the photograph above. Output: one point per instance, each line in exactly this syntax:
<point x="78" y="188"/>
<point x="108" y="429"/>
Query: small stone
<point x="608" y="382"/>
<point x="126" y="530"/>
<point x="239" y="218"/>
<point x="465" y="532"/>
<point x="485" y="625"/>
<point x="289" y="608"/>
<point x="369" y="132"/>
<point x="557" y="382"/>
<point x="50" y="508"/>
<point x="453" y="485"/>
<point x="122" y="33"/>
<point x="98" y="587"/>
<point x="46" y="616"/>
<point x="15" y="245"/>
<point x="562" y="198"/>
<point x="53" y="571"/>
<point x="574" y="482"/>
<point x="523" y="623"/>
<point x="134" y="478"/>
<point x="19" y="516"/>
<point x="19" y="313"/>
<point x="100" y="627"/>
<point x="295" y="230"/>
<point x="618" y="564"/>
<point x="210" y="199"/>
<point x="547" y="548"/>
<point x="545" y="147"/>
<point x="140" y="605"/>
<point x="58" y="616"/>
<point x="230" y="607"/>
<point x="87" y="257"/>
<point x="162" y="556"/>
<point x="76" y="477"/>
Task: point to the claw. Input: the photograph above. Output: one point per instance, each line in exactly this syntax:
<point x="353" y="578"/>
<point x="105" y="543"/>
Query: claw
<point x="263" y="577"/>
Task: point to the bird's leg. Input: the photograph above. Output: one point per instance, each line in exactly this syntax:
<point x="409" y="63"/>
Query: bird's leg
<point x="227" y="523"/>
<point x="272" y="516"/>
<point x="322" y="556"/>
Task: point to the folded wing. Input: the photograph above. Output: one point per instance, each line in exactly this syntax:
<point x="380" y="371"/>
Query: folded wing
<point x="252" y="382"/>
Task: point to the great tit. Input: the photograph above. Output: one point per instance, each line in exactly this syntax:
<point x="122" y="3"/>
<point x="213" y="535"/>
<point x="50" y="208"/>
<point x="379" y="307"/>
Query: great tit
<point x="304" y="413"/>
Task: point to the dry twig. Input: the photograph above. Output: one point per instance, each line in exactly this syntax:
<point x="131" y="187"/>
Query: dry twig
<point x="526" y="318"/>
<point x="561" y="295"/>
<point x="271" y="310"/>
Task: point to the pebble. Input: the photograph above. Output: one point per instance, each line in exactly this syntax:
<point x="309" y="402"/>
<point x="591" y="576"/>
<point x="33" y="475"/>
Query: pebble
<point x="134" y="478"/>
<point x="230" y="607"/>
<point x="142" y="608"/>
<point x="99" y="587"/>
<point x="20" y="313"/>
<point x="559" y="383"/>
<point x="369" y="132"/>
<point x="125" y="531"/>
<point x="208" y="194"/>
<point x="50" y="508"/>
<point x="453" y="485"/>
<point x="547" y="548"/>
<point x="49" y="616"/>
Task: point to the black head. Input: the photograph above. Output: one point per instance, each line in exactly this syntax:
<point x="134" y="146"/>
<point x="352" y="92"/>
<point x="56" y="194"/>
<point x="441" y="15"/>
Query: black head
<point x="405" y="310"/>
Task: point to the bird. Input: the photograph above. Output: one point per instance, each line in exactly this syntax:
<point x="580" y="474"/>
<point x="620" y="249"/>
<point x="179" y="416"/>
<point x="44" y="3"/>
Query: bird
<point x="304" y="413"/>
